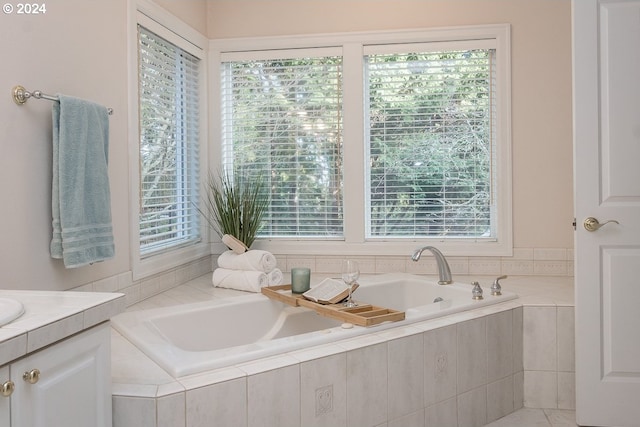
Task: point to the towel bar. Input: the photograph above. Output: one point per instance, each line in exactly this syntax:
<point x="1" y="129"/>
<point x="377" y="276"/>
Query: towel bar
<point x="21" y="96"/>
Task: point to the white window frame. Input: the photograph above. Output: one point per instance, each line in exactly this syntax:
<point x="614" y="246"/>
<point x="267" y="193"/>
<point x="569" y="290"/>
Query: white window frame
<point x="353" y="46"/>
<point x="167" y="26"/>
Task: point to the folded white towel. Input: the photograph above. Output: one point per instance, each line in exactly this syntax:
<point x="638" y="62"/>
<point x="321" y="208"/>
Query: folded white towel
<point x="241" y="280"/>
<point x="275" y="277"/>
<point x="254" y="259"/>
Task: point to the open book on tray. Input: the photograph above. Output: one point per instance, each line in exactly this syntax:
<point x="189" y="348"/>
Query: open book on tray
<point x="329" y="291"/>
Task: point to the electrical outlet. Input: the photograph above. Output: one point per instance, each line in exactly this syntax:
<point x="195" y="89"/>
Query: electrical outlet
<point x="324" y="400"/>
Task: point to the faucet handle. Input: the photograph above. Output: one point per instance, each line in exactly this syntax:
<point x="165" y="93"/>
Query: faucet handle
<point x="496" y="289"/>
<point x="476" y="291"/>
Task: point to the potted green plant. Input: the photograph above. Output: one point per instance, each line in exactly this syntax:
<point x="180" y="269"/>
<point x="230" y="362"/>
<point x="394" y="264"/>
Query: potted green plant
<point x="235" y="205"/>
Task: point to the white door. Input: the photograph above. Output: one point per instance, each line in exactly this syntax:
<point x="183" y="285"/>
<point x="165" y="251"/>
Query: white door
<point x="606" y="37"/>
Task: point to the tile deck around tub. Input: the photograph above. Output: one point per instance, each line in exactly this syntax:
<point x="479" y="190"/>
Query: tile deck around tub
<point x="136" y="375"/>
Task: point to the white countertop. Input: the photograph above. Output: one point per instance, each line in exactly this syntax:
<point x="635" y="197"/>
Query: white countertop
<point x="50" y="316"/>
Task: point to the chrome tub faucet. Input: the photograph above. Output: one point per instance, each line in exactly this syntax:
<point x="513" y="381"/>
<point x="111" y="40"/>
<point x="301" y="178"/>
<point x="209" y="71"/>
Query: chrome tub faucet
<point x="443" y="266"/>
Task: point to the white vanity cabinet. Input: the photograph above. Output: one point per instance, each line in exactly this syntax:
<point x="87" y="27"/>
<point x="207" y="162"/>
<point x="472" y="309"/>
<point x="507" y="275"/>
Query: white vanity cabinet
<point x="67" y="384"/>
<point x="7" y="386"/>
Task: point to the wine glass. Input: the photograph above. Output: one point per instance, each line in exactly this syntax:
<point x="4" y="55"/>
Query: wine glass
<point x="350" y="273"/>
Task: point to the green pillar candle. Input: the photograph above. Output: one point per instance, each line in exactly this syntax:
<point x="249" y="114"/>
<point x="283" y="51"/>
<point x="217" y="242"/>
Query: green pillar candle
<point x="300" y="279"/>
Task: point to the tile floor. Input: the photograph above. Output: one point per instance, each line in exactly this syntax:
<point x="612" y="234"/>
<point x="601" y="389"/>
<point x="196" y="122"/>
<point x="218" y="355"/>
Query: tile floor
<point x="527" y="417"/>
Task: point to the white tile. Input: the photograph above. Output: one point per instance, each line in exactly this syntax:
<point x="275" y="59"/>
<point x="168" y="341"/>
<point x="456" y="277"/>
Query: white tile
<point x="125" y="280"/>
<point x="424" y="266"/>
<point x="390" y="264"/>
<point x="485" y="266"/>
<point x="440" y="361"/>
<point x="308" y="262"/>
<point x="55" y="331"/>
<point x="222" y="404"/>
<point x="539" y="339"/>
<point x="550" y="268"/>
<point x="133" y="411"/>
<point x="561" y="418"/>
<point x="499" y="345"/>
<point x="566" y="339"/>
<point x="517" y="339"/>
<point x="171" y="411"/>
<point x="459" y="265"/>
<point x="517" y="267"/>
<point x="325" y="264"/>
<point x="406" y="376"/>
<point x="367" y="386"/>
<point x="274" y="398"/>
<point x="499" y="398"/>
<point x="323" y="391"/>
<point x="398" y="332"/>
<point x="523" y="418"/>
<point x="443" y="414"/>
<point x="109" y="284"/>
<point x="566" y="390"/>
<point x="316" y="352"/>
<point x="472" y="408"/>
<point x="518" y="390"/>
<point x="267" y="364"/>
<point x="550" y="254"/>
<point x="103" y="312"/>
<point x="13" y="344"/>
<point x="132" y="294"/>
<point x="472" y="354"/>
<point x="212" y="377"/>
<point x="522" y="254"/>
<point x="415" y="419"/>
<point x="182" y="275"/>
<point x="149" y="288"/>
<point x="540" y="389"/>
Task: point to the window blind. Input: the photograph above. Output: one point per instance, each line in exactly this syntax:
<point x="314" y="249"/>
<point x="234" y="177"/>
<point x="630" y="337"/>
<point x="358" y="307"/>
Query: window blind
<point x="169" y="133"/>
<point x="431" y="121"/>
<point x="282" y="122"/>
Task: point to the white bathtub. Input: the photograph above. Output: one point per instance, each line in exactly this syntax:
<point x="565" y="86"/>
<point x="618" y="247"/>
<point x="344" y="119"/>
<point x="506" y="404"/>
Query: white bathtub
<point x="192" y="338"/>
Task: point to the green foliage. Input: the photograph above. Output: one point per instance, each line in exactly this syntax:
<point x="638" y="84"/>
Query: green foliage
<point x="429" y="142"/>
<point x="236" y="206"/>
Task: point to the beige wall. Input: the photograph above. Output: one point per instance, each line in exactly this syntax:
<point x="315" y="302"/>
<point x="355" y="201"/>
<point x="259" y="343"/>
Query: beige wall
<point x="79" y="48"/>
<point x="541" y="81"/>
<point x="193" y="12"/>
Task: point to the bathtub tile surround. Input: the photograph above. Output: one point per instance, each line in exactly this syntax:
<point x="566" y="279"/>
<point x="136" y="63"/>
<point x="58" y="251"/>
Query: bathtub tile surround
<point x="387" y="378"/>
<point x="273" y="398"/>
<point x="525" y="261"/>
<point x="136" y="291"/>
<point x="319" y="373"/>
<point x="406" y="376"/>
<point x="548" y="359"/>
<point x="367" y="385"/>
<point x="323" y="389"/>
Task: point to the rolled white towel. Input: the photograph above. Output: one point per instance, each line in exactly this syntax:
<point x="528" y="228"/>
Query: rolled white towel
<point x="275" y="277"/>
<point x="241" y="280"/>
<point x="254" y="259"/>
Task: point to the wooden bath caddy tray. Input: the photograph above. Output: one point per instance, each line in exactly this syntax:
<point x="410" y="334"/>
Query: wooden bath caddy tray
<point x="362" y="315"/>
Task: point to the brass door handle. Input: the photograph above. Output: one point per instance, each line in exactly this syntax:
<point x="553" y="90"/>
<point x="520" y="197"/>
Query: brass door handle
<point x="592" y="224"/>
<point x="7" y="388"/>
<point x="31" y="376"/>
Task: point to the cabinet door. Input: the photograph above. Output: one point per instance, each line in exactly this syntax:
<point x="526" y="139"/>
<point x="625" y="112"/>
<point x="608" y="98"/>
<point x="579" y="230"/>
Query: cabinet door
<point x="5" y="418"/>
<point x="73" y="388"/>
